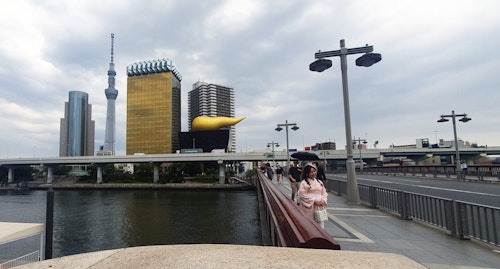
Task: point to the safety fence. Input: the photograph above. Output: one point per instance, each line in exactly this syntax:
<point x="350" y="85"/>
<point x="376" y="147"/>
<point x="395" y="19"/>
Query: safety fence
<point x="485" y="173"/>
<point x="463" y="220"/>
<point x="285" y="224"/>
<point x="25" y="259"/>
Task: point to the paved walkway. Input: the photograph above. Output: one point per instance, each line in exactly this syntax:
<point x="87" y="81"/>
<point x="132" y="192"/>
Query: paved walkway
<point x="360" y="228"/>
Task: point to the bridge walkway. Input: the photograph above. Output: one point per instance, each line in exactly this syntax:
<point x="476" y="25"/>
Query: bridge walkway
<point x="360" y="228"/>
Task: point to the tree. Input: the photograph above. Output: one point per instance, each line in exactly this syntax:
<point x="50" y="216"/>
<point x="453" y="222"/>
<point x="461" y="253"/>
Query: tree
<point x="61" y="170"/>
<point x="144" y="169"/>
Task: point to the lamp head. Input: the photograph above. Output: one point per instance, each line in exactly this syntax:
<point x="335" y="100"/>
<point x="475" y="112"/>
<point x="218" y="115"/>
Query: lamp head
<point x="295" y="128"/>
<point x="368" y="59"/>
<point x="465" y="119"/>
<point x="443" y="120"/>
<point x="320" y="65"/>
<point x="278" y="128"/>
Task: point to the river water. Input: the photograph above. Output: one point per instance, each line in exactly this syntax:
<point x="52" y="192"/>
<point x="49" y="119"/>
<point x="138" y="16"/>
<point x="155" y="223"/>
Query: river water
<point x="92" y="220"/>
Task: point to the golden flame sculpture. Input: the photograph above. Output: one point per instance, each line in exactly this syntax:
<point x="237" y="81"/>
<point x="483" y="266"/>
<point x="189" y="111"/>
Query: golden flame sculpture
<point x="205" y="123"/>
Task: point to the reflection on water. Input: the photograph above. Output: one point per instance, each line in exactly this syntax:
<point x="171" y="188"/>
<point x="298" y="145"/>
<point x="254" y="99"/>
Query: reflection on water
<point x="93" y="220"/>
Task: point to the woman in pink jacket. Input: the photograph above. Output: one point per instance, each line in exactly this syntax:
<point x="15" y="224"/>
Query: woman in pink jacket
<point x="312" y="193"/>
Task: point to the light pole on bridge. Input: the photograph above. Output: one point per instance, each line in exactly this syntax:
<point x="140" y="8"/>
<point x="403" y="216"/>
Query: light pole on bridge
<point x="272" y="144"/>
<point x="320" y="65"/>
<point x="463" y="119"/>
<point x="358" y="142"/>
<point x="279" y="128"/>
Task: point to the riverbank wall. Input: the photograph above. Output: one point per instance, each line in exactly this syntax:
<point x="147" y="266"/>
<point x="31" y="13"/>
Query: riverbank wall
<point x="143" y="186"/>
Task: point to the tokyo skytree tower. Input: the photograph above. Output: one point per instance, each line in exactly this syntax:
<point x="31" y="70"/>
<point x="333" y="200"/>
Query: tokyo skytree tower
<point x="111" y="94"/>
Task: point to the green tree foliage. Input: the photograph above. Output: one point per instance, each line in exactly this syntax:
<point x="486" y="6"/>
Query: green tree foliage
<point x="109" y="169"/>
<point x="3" y="173"/>
<point x="192" y="168"/>
<point x="251" y="174"/>
<point x="212" y="172"/>
<point x="20" y="173"/>
<point x="173" y="174"/>
<point x="144" y="169"/>
<point x="61" y="170"/>
<point x="230" y="173"/>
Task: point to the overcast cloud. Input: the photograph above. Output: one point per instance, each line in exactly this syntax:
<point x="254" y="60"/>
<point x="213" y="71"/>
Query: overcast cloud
<point x="437" y="56"/>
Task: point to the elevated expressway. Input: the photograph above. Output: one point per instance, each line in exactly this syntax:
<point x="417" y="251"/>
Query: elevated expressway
<point x="368" y="155"/>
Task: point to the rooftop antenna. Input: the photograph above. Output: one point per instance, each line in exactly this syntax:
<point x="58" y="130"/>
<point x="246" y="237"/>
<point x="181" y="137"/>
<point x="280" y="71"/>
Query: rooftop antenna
<point x="112" y="45"/>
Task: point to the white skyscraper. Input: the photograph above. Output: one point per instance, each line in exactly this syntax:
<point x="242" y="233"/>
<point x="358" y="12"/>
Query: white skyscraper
<point x="111" y="94"/>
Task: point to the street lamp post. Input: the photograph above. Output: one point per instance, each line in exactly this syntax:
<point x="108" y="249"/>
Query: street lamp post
<point x="272" y="144"/>
<point x="463" y="119"/>
<point x="320" y="65"/>
<point x="324" y="153"/>
<point x="358" y="142"/>
<point x="279" y="128"/>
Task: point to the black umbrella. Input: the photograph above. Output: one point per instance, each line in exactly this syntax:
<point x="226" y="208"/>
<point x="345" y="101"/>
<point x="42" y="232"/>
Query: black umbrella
<point x="305" y="156"/>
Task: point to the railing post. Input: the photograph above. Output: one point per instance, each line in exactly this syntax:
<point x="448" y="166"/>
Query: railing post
<point x="49" y="224"/>
<point x="373" y="196"/>
<point x="339" y="193"/>
<point x="462" y="220"/>
<point x="403" y="204"/>
<point x="450" y="215"/>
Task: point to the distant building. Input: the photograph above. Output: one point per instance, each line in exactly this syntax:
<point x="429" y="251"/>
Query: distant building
<point x="451" y="144"/>
<point x="77" y="128"/>
<point x="325" y="146"/>
<point x="205" y="141"/>
<point x="153" y="107"/>
<point x="424" y="143"/>
<point x="212" y="100"/>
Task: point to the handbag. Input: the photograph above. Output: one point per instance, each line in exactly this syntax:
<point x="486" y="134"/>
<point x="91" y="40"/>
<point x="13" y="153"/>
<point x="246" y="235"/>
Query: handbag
<point x="320" y="214"/>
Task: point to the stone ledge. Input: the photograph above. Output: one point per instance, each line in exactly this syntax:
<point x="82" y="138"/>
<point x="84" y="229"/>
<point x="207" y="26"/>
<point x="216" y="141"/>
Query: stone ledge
<point x="226" y="256"/>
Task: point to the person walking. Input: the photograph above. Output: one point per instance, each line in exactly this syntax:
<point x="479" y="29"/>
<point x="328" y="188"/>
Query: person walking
<point x="321" y="172"/>
<point x="312" y="194"/>
<point x="269" y="171"/>
<point x="294" y="177"/>
<point x="279" y="173"/>
<point x="463" y="165"/>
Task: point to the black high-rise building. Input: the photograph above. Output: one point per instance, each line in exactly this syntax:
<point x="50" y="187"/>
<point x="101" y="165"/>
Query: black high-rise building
<point x="214" y="101"/>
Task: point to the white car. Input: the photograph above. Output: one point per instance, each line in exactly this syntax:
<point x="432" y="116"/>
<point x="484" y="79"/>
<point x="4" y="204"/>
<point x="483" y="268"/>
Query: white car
<point x="357" y="164"/>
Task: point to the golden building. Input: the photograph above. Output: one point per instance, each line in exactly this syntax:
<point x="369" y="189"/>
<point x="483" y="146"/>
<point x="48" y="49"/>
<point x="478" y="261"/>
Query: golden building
<point x="153" y="107"/>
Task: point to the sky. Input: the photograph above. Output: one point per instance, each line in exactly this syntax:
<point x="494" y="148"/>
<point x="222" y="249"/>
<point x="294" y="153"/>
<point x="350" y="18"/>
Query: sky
<point x="437" y="57"/>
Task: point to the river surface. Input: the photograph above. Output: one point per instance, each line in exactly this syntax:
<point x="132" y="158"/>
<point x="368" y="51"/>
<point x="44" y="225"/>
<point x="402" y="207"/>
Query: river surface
<point x="92" y="220"/>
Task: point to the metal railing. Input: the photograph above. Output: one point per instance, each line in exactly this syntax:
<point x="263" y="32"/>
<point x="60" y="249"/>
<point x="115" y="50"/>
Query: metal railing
<point x="478" y="222"/>
<point x="486" y="173"/>
<point x="25" y="259"/>
<point x="286" y="225"/>
<point x="461" y="219"/>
